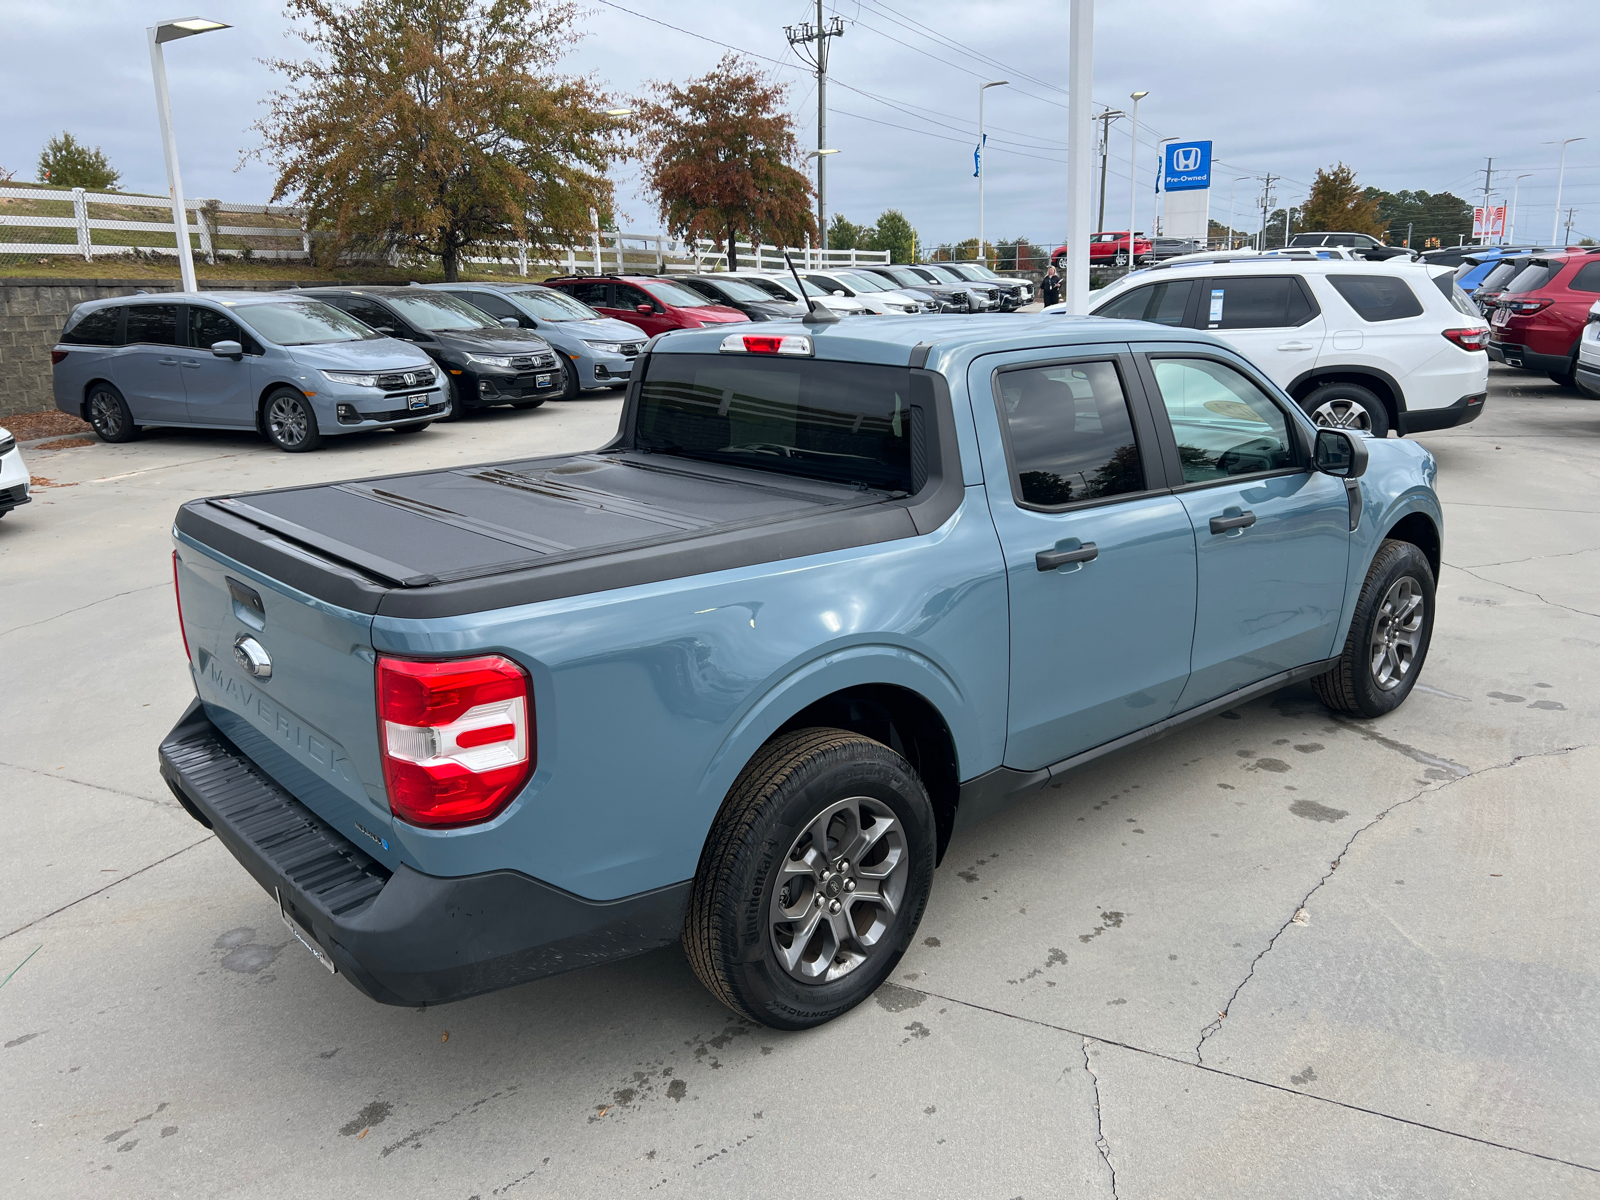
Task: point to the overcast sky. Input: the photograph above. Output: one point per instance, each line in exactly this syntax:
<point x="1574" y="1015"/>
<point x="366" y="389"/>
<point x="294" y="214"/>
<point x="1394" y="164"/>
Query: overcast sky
<point x="1412" y="95"/>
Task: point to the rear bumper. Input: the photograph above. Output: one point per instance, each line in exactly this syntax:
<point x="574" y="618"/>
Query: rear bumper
<point x="1513" y="354"/>
<point x="1588" y="376"/>
<point x="1462" y="412"/>
<point x="401" y="937"/>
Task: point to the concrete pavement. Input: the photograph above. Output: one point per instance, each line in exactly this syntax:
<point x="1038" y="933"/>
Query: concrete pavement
<point x="1278" y="953"/>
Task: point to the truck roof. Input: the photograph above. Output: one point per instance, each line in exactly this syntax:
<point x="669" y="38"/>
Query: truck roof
<point x="926" y="340"/>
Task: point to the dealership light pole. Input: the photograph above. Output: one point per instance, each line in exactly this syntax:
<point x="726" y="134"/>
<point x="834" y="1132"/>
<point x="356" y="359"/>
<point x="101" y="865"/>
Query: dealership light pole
<point x="1133" y="175"/>
<point x="1080" y="151"/>
<point x="1561" y="176"/>
<point x="1516" y="184"/>
<point x="171" y="31"/>
<point x="982" y="88"/>
<point x="1232" y="192"/>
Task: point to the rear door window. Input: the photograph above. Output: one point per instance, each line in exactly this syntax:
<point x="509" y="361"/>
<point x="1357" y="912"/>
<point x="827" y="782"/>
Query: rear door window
<point x="1255" y="302"/>
<point x="1587" y="279"/>
<point x="153" y="324"/>
<point x="99" y="328"/>
<point x="1377" y="297"/>
<point x="1225" y="425"/>
<point x="1069" y="434"/>
<point x="1161" y="303"/>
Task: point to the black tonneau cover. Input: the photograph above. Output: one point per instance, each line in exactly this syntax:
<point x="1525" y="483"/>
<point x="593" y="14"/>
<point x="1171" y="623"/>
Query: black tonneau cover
<point x="468" y="539"/>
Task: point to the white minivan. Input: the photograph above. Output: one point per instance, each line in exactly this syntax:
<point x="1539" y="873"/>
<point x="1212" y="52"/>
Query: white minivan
<point x="1362" y="345"/>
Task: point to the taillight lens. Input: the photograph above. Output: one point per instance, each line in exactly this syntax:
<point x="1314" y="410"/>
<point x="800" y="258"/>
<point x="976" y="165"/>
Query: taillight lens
<point x="457" y="737"/>
<point x="57" y="357"/>
<point x="1469" y="339"/>
<point x="177" y="597"/>
<point x="1523" y="307"/>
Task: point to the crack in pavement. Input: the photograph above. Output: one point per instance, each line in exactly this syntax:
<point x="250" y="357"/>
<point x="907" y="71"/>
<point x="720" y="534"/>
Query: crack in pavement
<point x="108" y="887"/>
<point x="1214" y="1026"/>
<point x="66" y="612"/>
<point x="1266" y="1083"/>
<point x="1582" y="612"/>
<point x="1511" y="562"/>
<point x="99" y="787"/>
<point x="1100" y="1142"/>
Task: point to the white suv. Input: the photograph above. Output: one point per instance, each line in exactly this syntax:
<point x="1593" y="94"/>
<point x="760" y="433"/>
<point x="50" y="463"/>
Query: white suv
<point x="14" y="478"/>
<point x="881" y="297"/>
<point x="1360" y="345"/>
<point x="1588" y="370"/>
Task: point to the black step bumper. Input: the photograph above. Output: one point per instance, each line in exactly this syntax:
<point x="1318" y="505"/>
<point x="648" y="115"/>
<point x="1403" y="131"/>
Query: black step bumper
<point x="1463" y="411"/>
<point x="1515" y="355"/>
<point x="402" y="937"/>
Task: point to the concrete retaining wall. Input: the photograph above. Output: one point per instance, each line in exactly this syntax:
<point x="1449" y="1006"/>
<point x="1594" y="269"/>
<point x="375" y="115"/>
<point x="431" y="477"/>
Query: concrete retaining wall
<point x="33" y="311"/>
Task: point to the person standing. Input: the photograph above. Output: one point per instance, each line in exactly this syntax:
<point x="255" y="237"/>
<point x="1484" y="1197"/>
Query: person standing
<point x="1050" y="286"/>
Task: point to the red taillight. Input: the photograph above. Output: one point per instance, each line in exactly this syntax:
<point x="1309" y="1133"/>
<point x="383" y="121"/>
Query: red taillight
<point x="177" y="596"/>
<point x="57" y="357"/>
<point x="457" y="737"/>
<point x="1523" y="307"/>
<point x="1468" y="339"/>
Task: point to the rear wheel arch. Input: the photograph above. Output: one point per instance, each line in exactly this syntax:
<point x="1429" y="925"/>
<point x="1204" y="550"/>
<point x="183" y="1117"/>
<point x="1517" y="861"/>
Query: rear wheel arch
<point x="905" y="721"/>
<point x="88" y="390"/>
<point x="1418" y="529"/>
<point x="1372" y="379"/>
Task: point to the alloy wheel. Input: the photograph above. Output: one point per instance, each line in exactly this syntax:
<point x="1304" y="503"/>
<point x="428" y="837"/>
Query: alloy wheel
<point x="1396" y="633"/>
<point x="838" y="889"/>
<point x="105" y="414"/>
<point x="288" y="421"/>
<point x="1343" y="414"/>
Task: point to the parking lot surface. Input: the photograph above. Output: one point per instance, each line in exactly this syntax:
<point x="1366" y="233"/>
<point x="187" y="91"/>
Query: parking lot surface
<point x="1276" y="954"/>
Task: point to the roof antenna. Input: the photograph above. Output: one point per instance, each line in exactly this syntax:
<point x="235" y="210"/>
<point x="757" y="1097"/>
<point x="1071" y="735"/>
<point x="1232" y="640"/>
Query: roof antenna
<point x="816" y="314"/>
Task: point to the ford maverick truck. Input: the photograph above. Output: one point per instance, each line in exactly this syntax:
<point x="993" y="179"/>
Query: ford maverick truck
<point x="829" y="594"/>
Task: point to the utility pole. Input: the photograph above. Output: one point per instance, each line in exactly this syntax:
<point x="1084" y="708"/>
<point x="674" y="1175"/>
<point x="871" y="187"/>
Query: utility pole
<point x="1105" y="119"/>
<point x="800" y="37"/>
<point x="1572" y="215"/>
<point x="1267" y="181"/>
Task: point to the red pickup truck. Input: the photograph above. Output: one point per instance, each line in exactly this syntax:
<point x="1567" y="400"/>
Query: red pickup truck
<point x="1104" y="247"/>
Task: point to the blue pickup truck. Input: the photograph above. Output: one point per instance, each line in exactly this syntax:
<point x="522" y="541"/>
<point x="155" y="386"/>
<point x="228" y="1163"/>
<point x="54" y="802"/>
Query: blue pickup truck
<point x="831" y="592"/>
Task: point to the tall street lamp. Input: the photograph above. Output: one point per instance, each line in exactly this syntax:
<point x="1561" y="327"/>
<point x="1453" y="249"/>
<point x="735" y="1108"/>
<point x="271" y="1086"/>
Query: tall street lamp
<point x="1133" y="174"/>
<point x="982" y="88"/>
<point x="1561" y="176"/>
<point x="1232" y="191"/>
<point x="171" y="31"/>
<point x="1516" y="184"/>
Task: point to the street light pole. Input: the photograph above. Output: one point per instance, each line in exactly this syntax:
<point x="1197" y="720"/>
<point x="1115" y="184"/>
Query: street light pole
<point x="1133" y="175"/>
<point x="982" y="88"/>
<point x="1561" y="176"/>
<point x="170" y="31"/>
<point x="1516" y="184"/>
<point x="1080" y="151"/>
<point x="1232" y="192"/>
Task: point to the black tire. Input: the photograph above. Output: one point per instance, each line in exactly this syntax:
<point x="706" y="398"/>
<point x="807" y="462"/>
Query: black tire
<point x="1365" y="683"/>
<point x="453" y="410"/>
<point x="289" y="422"/>
<point x="417" y="428"/>
<point x="1347" y="406"/>
<point x="731" y="933"/>
<point x="1567" y="378"/>
<point x="106" y="410"/>
<point x="569" y="379"/>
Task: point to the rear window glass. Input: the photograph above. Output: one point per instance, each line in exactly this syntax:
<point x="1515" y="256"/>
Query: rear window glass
<point x="1377" y="297"/>
<point x="98" y="328"/>
<point x="1452" y="292"/>
<point x="1497" y="276"/>
<point x="838" y="422"/>
<point x="1587" y="279"/>
<point x="1538" y="273"/>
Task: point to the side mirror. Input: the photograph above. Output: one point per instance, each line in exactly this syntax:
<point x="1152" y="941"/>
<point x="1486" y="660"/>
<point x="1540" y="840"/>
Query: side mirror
<point x="229" y="349"/>
<point x="1341" y="453"/>
<point x="386" y="330"/>
<point x="645" y="309"/>
<point x="836" y="292"/>
<point x="511" y="322"/>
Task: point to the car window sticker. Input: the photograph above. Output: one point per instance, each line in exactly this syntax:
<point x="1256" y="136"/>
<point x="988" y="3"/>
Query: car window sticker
<point x="1216" y="305"/>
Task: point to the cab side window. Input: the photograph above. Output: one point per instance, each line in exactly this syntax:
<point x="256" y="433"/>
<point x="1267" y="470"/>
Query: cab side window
<point x="1224" y="424"/>
<point x="1070" y="435"/>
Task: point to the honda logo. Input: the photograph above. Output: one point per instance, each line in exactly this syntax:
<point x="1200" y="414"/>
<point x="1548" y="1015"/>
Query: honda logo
<point x="411" y="378"/>
<point x="1186" y="158"/>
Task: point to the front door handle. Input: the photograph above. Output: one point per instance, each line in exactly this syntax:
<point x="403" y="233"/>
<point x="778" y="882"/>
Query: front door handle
<point x="193" y="366"/>
<point x="1049" y="560"/>
<point x="1295" y="346"/>
<point x="1222" y="524"/>
<point x="167" y="362"/>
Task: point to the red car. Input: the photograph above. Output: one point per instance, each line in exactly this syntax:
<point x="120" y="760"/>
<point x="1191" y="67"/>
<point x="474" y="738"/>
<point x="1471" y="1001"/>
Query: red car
<point x="653" y="303"/>
<point x="1539" y="318"/>
<point x="1104" y="247"/>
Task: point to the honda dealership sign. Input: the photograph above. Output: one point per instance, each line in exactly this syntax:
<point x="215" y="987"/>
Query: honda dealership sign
<point x="1187" y="167"/>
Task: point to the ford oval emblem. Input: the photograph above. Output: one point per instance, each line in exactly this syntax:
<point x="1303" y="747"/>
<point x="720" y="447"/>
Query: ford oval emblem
<point x="252" y="657"/>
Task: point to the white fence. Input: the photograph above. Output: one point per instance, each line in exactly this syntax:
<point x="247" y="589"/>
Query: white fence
<point x="618" y="252"/>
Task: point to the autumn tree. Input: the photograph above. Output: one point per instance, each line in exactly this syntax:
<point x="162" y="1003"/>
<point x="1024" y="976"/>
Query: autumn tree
<point x="720" y="154"/>
<point x="1337" y="202"/>
<point x="439" y="125"/>
<point x="67" y="162"/>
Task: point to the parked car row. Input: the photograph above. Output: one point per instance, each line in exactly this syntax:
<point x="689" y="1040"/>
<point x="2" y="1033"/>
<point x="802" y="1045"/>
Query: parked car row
<point x="1361" y="345"/>
<point x="1541" y="314"/>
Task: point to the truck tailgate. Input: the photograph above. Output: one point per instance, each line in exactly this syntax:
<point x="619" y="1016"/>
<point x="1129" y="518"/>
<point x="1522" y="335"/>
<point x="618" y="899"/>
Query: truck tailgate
<point x="310" y="721"/>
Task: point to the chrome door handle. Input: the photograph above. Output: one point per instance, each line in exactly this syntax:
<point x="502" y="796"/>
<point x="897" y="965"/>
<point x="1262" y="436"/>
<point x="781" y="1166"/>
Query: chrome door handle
<point x="1295" y="346"/>
<point x="1222" y="524"/>
<point x="1049" y="560"/>
<point x="167" y="362"/>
